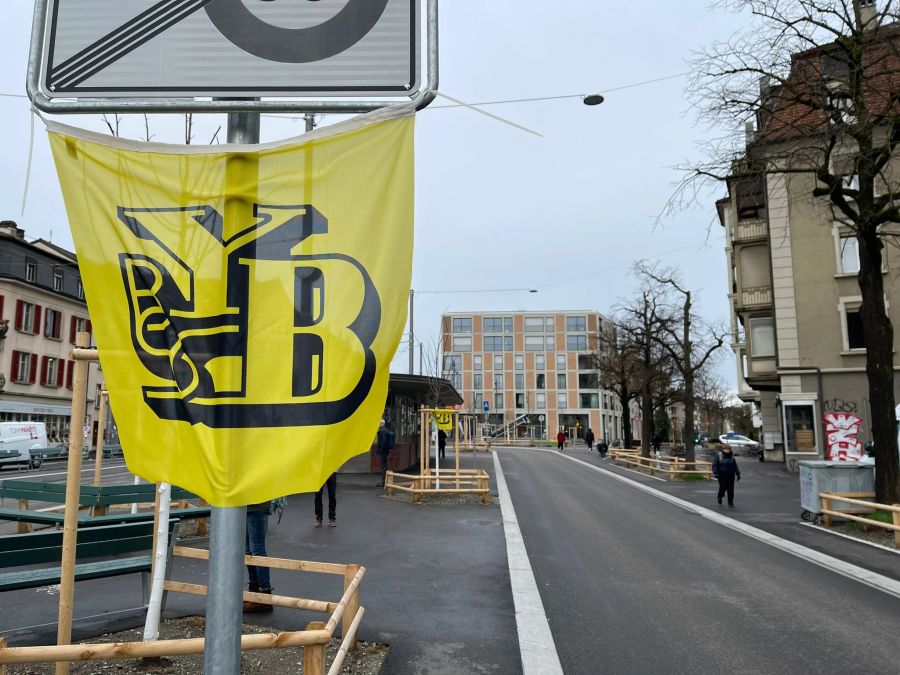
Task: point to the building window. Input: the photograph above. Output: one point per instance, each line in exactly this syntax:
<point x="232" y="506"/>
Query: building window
<point x="462" y="325"/>
<point x="28" y="317"/>
<point x="540" y="381"/>
<point x="498" y="343"/>
<point x="493" y="324"/>
<point x="539" y="362"/>
<point x="477" y="362"/>
<point x="78" y="325"/>
<point x="57" y="279"/>
<point x="855" y="337"/>
<point x="849" y="252"/>
<point x="587" y="362"/>
<point x="498" y="381"/>
<point x="507" y="324"/>
<point x="534" y="324"/>
<point x="498" y="401"/>
<point x="80" y="290"/>
<point x="498" y="362"/>
<point x="750" y="198"/>
<point x="51" y="373"/>
<point x="24" y="367"/>
<point x="562" y="401"/>
<point x="560" y="361"/>
<point x="590" y="400"/>
<point x="551" y="324"/>
<point x="576" y="343"/>
<point x="478" y="381"/>
<point x="540" y="400"/>
<point x="520" y="401"/>
<point x="456" y="381"/>
<point x="479" y="401"/>
<point x="534" y="343"/>
<point x="462" y="344"/>
<point x="588" y="381"/>
<point x="452" y="363"/>
<point x="550" y="343"/>
<point x="576" y="324"/>
<point x="560" y="380"/>
<point x="30" y="271"/>
<point x="799" y="426"/>
<point x="520" y="380"/>
<point x="53" y="324"/>
<point x="520" y="361"/>
<point x="762" y="336"/>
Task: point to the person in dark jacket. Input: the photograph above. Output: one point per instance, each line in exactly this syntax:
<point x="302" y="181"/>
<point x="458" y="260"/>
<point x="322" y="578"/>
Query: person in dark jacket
<point x="331" y="484"/>
<point x="442" y="442"/>
<point x="383" y="446"/>
<point x="725" y="469"/>
<point x="589" y="439"/>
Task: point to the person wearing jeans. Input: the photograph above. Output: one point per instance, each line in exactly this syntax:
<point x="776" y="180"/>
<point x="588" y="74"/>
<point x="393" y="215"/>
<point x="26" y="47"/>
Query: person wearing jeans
<point x="331" y="484"/>
<point x="257" y="525"/>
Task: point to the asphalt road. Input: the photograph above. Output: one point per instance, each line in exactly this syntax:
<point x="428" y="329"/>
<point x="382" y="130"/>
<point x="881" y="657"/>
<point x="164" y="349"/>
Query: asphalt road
<point x="632" y="584"/>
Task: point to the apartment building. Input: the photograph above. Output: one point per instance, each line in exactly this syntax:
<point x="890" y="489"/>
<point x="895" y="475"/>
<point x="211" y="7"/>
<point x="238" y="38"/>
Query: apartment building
<point x="42" y="307"/>
<point x="793" y="263"/>
<point x="532" y="372"/>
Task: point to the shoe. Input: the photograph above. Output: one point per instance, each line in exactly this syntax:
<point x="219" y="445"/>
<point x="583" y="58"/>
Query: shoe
<point x="251" y="607"/>
<point x="319" y="521"/>
<point x="731" y="506"/>
<point x="332" y="523"/>
<point x="718" y="500"/>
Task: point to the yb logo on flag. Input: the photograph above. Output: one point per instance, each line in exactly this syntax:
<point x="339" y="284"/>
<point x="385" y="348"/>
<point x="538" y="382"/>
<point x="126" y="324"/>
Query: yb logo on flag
<point x="443" y="419"/>
<point x="208" y="349"/>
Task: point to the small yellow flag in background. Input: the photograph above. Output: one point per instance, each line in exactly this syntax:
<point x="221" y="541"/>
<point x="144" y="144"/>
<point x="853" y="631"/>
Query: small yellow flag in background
<point x="443" y="419"/>
<point x="246" y="300"/>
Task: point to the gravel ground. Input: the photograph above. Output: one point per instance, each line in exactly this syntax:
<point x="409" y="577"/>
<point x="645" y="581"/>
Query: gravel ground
<point x="452" y="498"/>
<point x="872" y="534"/>
<point x="366" y="659"/>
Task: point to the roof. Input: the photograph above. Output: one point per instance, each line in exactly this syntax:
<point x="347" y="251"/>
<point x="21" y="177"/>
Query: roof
<point x="423" y="387"/>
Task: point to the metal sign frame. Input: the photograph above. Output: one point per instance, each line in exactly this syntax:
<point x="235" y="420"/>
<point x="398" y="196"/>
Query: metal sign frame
<point x="85" y="105"/>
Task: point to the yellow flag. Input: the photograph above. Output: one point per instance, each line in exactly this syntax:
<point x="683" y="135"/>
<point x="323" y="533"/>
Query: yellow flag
<point x="443" y="419"/>
<point x="246" y="300"/>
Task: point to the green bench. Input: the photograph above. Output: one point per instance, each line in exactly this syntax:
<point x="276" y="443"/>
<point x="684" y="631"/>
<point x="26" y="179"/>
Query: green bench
<point x="38" y="548"/>
<point x="99" y="499"/>
<point x="110" y="451"/>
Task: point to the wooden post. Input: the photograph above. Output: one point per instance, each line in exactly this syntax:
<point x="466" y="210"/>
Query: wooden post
<point x="101" y="428"/>
<point x="456" y="446"/>
<point x="23" y="526"/>
<point x="73" y="486"/>
<point x="389" y="483"/>
<point x="353" y="605"/>
<point x="895" y="517"/>
<point x="826" y="506"/>
<point x="2" y="665"/>
<point x="314" y="655"/>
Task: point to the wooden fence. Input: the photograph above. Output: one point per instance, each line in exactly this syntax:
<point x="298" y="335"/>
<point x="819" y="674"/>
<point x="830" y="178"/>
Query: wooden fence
<point x="450" y="481"/>
<point x="829" y="510"/>
<point x="669" y="466"/>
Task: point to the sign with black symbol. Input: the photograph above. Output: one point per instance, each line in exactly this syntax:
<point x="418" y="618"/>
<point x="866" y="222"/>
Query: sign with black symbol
<point x="230" y="48"/>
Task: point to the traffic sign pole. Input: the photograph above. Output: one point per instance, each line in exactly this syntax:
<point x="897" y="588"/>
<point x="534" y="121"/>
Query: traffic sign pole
<point x="224" y="608"/>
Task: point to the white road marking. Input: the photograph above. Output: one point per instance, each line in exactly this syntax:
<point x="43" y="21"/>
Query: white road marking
<point x="32" y="476"/>
<point x="536" y="646"/>
<point x="847" y="536"/>
<point x="854" y="572"/>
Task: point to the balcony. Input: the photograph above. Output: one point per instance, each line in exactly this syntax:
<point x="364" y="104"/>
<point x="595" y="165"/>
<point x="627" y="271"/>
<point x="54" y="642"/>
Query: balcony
<point x="758" y="297"/>
<point x="750" y="230"/>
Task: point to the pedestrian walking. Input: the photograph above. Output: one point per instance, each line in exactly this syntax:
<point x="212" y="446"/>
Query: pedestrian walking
<point x="442" y="442"/>
<point x="656" y="442"/>
<point x="255" y="544"/>
<point x="331" y="484"/>
<point x="725" y="469"/>
<point x="603" y="448"/>
<point x="589" y="439"/>
<point x="383" y="446"/>
<point x="560" y="440"/>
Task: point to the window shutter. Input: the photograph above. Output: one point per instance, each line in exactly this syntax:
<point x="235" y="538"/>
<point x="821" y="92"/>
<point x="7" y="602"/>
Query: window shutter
<point x="33" y="369"/>
<point x="60" y="372"/>
<point x="89" y="327"/>
<point x="1" y="306"/>
<point x="45" y="363"/>
<point x="57" y="324"/>
<point x="70" y="370"/>
<point x="72" y="321"/>
<point x="37" y="320"/>
<point x="20" y="312"/>
<point x="14" y="370"/>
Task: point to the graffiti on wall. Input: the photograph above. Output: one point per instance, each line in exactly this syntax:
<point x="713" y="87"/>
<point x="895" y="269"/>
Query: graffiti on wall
<point x="840" y="405"/>
<point x="842" y="437"/>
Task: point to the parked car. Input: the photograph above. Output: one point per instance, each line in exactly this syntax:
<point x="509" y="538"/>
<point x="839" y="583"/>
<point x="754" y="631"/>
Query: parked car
<point x="738" y="442"/>
<point x="21" y="441"/>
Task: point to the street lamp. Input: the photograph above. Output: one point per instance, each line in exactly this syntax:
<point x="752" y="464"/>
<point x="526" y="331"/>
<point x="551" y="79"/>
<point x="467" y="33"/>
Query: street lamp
<point x="593" y="99"/>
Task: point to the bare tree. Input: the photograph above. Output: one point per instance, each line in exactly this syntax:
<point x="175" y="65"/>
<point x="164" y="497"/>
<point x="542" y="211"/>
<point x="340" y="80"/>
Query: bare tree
<point x="690" y="349"/>
<point x="614" y="357"/>
<point x="643" y="325"/>
<point x="112" y="124"/>
<point x="712" y="401"/>
<point x="820" y="82"/>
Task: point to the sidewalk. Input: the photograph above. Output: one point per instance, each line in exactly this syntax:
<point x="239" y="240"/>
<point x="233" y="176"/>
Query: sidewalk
<point x="767" y="497"/>
<point x="436" y="588"/>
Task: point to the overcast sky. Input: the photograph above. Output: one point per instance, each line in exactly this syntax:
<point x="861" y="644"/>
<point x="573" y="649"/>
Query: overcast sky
<point x="497" y="208"/>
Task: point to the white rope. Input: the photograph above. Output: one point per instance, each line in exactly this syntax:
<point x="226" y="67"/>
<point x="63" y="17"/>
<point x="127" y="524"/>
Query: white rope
<point x="491" y="115"/>
<point x="28" y="166"/>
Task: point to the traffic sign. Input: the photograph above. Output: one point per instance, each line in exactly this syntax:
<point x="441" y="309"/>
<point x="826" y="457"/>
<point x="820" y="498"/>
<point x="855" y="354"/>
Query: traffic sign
<point x="144" y="51"/>
<point x="486" y="406"/>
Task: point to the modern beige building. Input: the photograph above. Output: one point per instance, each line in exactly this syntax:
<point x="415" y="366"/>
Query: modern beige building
<point x="530" y="373"/>
<point x="42" y="306"/>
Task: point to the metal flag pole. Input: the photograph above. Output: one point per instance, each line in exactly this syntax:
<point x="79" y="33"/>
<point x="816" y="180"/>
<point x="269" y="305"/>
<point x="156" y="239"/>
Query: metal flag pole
<point x="224" y="609"/>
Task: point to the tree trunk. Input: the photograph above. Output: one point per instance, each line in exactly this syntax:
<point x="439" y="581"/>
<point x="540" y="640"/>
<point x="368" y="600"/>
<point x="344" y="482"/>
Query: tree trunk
<point x="646" y="419"/>
<point x="626" y="421"/>
<point x="688" y="435"/>
<point x="879" y="336"/>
